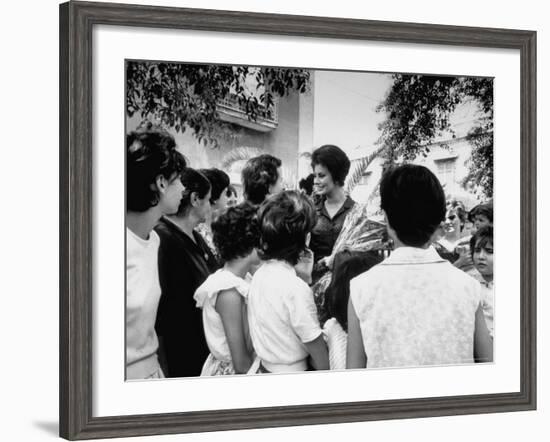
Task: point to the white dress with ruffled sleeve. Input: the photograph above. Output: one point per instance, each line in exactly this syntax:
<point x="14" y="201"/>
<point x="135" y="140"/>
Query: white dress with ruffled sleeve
<point x="219" y="361"/>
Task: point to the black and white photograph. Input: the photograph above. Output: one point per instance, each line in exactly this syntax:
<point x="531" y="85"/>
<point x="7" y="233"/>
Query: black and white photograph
<point x="283" y="220"/>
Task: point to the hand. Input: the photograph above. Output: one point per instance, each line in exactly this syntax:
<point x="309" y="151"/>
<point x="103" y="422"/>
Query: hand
<point x="304" y="266"/>
<point x="326" y="262"/>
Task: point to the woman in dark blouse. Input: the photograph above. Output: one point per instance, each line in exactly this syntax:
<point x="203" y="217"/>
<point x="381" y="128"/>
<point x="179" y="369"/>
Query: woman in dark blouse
<point x="185" y="261"/>
<point x="330" y="167"/>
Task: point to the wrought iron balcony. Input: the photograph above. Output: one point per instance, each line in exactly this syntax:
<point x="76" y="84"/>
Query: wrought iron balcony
<point x="231" y="111"/>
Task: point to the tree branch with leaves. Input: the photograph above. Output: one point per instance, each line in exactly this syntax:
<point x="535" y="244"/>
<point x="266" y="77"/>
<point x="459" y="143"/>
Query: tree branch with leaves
<point x="418" y="109"/>
<point x="183" y="96"/>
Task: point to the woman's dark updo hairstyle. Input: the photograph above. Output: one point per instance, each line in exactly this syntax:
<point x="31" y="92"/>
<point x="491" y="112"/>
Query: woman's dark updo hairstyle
<point x="150" y="153"/>
<point x="194" y="182"/>
<point x="258" y="174"/>
<point x="347" y="265"/>
<point x="219" y="181"/>
<point x="236" y="231"/>
<point x="285" y="220"/>
<point x="414" y="202"/>
<point x="334" y="160"/>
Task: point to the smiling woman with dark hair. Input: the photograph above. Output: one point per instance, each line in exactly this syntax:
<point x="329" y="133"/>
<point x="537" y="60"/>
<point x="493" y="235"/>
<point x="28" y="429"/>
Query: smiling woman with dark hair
<point x="185" y="261"/>
<point x="330" y="166"/>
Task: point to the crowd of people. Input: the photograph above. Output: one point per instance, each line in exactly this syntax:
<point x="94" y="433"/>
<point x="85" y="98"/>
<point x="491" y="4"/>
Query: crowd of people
<point x="294" y="280"/>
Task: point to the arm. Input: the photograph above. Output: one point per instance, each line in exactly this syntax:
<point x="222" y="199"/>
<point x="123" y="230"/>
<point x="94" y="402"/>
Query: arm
<point x="356" y="357"/>
<point x="318" y="351"/>
<point x="483" y="343"/>
<point x="304" y="322"/>
<point x="304" y="266"/>
<point x="229" y="306"/>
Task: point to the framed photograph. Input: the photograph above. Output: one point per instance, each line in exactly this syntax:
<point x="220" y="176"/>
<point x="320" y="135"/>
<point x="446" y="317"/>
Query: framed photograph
<point x="249" y="112"/>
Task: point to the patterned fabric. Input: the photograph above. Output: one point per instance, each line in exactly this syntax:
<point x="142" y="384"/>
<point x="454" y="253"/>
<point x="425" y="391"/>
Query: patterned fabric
<point x="487" y="303"/>
<point x="205" y="231"/>
<point x="337" y="342"/>
<point x="416" y="309"/>
<point x="215" y="367"/>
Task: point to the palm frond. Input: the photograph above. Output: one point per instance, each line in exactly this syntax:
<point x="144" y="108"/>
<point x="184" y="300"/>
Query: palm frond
<point x="239" y="154"/>
<point x="359" y="166"/>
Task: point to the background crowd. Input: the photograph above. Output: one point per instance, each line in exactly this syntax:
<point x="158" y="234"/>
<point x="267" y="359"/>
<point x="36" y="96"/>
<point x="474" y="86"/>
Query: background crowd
<point x="279" y="280"/>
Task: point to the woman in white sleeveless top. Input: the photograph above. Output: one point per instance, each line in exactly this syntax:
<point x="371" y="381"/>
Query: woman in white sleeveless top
<point x="415" y="308"/>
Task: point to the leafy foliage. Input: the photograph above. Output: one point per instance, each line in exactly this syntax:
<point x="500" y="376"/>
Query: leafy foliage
<point x="481" y="161"/>
<point x="418" y="109"/>
<point x="185" y="96"/>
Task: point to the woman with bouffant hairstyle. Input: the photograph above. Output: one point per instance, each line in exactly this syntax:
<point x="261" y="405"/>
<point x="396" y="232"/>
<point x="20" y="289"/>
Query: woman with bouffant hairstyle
<point x="153" y="189"/>
<point x="262" y="176"/>
<point x="282" y="316"/>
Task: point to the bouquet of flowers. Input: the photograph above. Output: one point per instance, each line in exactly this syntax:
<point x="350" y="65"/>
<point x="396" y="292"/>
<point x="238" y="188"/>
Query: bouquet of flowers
<point x="359" y="233"/>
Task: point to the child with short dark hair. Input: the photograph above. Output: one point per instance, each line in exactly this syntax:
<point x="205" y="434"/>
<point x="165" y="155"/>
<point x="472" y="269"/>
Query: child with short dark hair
<point x="481" y="248"/>
<point x="223" y="296"/>
<point x="414" y="308"/>
<point x="282" y="315"/>
<point x="481" y="215"/>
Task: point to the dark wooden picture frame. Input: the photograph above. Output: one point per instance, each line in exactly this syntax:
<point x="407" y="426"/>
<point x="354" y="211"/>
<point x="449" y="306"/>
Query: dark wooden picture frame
<point x="77" y="20"/>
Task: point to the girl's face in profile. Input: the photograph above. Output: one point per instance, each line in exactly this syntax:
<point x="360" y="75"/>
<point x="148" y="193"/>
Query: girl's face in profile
<point x="203" y="208"/>
<point x="171" y="197"/>
<point x="481" y="221"/>
<point x="483" y="258"/>
<point x="221" y="204"/>
<point x="278" y="186"/>
<point x="323" y="183"/>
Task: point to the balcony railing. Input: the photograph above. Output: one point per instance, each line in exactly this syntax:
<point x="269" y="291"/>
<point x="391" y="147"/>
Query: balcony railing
<point x="231" y="111"/>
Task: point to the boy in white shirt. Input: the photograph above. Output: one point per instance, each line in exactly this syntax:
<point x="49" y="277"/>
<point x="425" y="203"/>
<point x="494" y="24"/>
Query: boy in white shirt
<point x="282" y="316"/>
<point x="153" y="189"/>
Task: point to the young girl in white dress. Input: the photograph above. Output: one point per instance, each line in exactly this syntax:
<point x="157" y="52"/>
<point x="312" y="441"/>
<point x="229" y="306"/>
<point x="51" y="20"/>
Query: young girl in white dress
<point x="223" y="296"/>
<point x="283" y="321"/>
